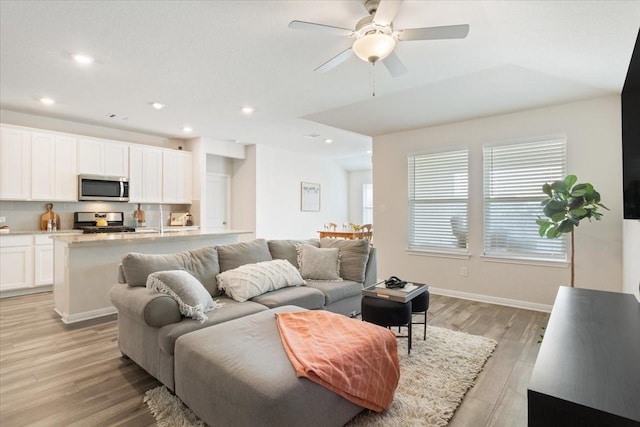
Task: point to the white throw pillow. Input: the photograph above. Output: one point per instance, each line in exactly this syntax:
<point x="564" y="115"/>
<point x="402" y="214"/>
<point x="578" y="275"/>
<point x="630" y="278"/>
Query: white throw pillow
<point x="192" y="297"/>
<point x="319" y="264"/>
<point x="250" y="280"/>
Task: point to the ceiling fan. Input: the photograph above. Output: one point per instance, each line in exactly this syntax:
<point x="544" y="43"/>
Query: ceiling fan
<point x="375" y="37"/>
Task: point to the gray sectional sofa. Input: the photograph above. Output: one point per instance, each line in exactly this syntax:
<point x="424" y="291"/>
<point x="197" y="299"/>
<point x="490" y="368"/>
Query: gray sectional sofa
<point x="150" y="322"/>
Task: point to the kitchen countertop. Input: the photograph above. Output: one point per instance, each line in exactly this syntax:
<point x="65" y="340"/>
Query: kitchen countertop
<point x="40" y="233"/>
<point x="123" y="238"/>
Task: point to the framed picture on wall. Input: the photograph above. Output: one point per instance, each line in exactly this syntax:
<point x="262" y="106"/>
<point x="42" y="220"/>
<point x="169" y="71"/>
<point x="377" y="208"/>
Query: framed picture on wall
<point x="309" y="197"/>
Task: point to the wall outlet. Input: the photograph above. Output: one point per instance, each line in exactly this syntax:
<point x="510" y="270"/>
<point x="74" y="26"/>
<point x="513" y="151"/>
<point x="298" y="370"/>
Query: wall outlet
<point x="464" y="272"/>
<point x="3" y="219"/>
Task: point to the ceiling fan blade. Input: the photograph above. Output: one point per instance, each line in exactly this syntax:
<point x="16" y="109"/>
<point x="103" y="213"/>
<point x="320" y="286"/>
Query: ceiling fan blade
<point x="335" y="61"/>
<point x="386" y="11"/>
<point x="395" y="67"/>
<point x="310" y="26"/>
<point x="434" y="33"/>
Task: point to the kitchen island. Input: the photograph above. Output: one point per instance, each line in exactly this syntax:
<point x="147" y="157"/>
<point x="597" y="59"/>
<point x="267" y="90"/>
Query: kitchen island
<point x="86" y="265"/>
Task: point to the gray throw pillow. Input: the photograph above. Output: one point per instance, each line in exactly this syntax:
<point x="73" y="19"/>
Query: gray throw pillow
<point x="236" y="254"/>
<point x="286" y="249"/>
<point x="202" y="263"/>
<point x="354" y="255"/>
<point x="319" y="264"/>
<point x="193" y="299"/>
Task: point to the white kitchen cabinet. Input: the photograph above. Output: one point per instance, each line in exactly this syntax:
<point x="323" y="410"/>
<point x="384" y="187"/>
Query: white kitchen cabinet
<point x="145" y="174"/>
<point x="15" y="164"/>
<point x="16" y="262"/>
<point x="53" y="167"/>
<point x="43" y="261"/>
<point x="102" y="157"/>
<point x="176" y="176"/>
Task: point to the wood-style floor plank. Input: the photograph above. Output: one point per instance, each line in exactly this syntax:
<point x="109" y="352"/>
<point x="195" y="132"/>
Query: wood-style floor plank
<point x="52" y="374"/>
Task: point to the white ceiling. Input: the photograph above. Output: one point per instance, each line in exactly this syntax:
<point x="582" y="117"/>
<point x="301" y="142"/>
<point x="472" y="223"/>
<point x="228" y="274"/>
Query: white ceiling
<point x="207" y="59"/>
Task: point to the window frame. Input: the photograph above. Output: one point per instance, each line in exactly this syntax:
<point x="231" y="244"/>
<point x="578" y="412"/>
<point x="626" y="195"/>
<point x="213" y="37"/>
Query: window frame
<point x="525" y="235"/>
<point x="443" y="243"/>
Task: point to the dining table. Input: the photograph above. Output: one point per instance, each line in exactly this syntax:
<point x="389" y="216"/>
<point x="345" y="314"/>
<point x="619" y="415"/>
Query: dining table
<point x="346" y="234"/>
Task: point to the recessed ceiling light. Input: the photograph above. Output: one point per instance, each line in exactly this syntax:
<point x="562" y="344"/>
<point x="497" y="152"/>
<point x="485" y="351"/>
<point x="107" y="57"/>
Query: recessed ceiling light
<point x="247" y="110"/>
<point x="157" y="105"/>
<point x="83" y="59"/>
<point x="187" y="129"/>
<point x="47" y="101"/>
<point x="369" y="151"/>
<point x="328" y="140"/>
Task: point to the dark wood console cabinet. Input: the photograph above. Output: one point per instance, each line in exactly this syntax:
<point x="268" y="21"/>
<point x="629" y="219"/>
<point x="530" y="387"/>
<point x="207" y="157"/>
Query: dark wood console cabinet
<point x="588" y="369"/>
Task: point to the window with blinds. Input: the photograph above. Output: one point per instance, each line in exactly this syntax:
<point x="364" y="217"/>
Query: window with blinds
<point x="367" y="203"/>
<point x="513" y="179"/>
<point x="438" y="201"/>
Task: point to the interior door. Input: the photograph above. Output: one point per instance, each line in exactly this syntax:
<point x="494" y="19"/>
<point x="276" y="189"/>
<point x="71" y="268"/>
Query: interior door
<point x="217" y="202"/>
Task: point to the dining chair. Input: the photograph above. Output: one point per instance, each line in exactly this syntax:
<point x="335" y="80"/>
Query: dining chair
<point x="367" y="228"/>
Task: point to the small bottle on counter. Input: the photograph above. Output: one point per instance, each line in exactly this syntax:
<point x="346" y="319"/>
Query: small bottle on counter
<point x="54" y="226"/>
<point x="50" y="225"/>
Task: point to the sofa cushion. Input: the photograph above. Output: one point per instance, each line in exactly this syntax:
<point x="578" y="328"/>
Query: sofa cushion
<point x="250" y="280"/>
<point x="192" y="297"/>
<point x="286" y="249"/>
<point x="167" y="335"/>
<point x="319" y="264"/>
<point x="234" y="255"/>
<point x="336" y="291"/>
<point x="301" y="296"/>
<point x="202" y="263"/>
<point x="354" y="255"/>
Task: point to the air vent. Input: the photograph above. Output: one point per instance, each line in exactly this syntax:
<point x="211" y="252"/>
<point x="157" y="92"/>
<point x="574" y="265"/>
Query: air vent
<point x="312" y="135"/>
<point x="115" y="116"/>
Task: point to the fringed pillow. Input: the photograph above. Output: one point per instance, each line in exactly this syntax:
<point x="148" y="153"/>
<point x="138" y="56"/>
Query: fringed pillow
<point x="319" y="264"/>
<point x="250" y="280"/>
<point x="192" y="297"/>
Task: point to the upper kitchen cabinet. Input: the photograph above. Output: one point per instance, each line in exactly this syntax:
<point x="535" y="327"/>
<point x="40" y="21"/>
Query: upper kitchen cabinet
<point x="53" y="167"/>
<point x="101" y="157"/>
<point x="15" y="164"/>
<point x="145" y="174"/>
<point x="176" y="177"/>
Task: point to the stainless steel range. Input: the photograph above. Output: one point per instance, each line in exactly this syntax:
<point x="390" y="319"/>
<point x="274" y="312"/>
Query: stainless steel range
<point x="100" y="222"/>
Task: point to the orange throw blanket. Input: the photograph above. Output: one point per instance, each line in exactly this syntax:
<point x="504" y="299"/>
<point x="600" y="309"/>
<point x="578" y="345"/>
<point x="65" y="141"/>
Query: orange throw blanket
<point x="355" y="359"/>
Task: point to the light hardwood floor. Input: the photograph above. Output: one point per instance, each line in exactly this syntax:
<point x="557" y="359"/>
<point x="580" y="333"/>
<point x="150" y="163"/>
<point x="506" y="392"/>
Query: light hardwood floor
<point x="53" y="374"/>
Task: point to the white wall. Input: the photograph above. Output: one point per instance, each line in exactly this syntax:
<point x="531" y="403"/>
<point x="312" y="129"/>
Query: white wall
<point x="278" y="176"/>
<point x="593" y="130"/>
<point x="60" y="125"/>
<point x="243" y="193"/>
<point x="356" y="180"/>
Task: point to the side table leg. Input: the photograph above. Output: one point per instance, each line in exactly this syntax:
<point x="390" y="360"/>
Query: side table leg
<point x="410" y="322"/>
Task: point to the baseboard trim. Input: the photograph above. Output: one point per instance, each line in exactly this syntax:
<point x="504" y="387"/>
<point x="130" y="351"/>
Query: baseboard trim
<point x="86" y="315"/>
<point x="25" y="291"/>
<point x="492" y="300"/>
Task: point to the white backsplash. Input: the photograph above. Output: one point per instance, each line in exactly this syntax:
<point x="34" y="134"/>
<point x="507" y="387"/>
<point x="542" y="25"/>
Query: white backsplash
<point x="25" y="216"/>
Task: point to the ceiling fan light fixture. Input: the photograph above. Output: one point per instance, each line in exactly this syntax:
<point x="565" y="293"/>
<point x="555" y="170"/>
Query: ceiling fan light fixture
<point x="374" y="47"/>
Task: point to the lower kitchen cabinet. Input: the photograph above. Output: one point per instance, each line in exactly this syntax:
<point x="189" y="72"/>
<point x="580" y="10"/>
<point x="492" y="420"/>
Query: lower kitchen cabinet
<point x="26" y="264"/>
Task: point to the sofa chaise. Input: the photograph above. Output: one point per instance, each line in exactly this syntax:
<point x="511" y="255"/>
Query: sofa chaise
<point x="150" y="322"/>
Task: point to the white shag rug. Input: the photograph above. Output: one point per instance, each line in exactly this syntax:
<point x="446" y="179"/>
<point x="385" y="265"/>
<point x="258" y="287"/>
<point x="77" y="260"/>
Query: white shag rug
<point x="433" y="381"/>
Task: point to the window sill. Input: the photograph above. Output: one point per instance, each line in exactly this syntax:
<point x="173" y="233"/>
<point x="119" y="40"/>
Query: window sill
<point x="525" y="261"/>
<point x="438" y="254"/>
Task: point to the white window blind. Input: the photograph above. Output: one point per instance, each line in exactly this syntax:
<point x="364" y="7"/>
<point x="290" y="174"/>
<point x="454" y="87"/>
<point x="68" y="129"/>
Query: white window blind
<point x="513" y="179"/>
<point x="438" y="201"/>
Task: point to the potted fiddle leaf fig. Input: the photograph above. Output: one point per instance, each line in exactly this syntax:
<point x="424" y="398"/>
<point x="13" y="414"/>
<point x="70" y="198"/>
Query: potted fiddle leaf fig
<point x="567" y="204"/>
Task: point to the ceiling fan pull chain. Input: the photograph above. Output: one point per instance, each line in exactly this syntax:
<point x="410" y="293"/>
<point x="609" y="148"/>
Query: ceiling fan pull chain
<point x="372" y="79"/>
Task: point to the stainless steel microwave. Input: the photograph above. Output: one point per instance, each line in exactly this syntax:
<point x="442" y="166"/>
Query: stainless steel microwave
<point x="103" y="188"/>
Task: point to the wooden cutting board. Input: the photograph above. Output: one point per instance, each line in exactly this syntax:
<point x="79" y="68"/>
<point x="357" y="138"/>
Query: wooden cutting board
<point x="50" y="214"/>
